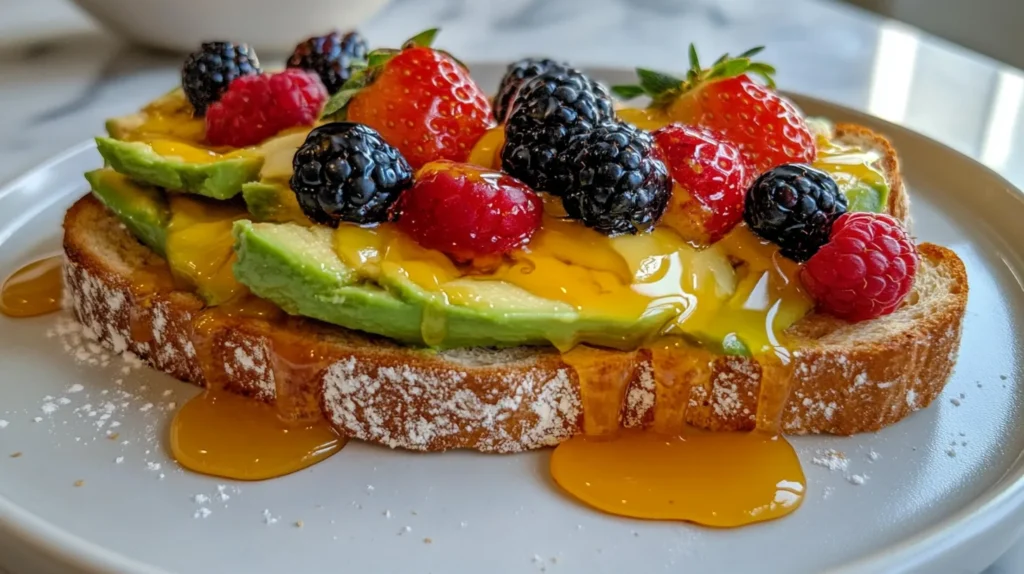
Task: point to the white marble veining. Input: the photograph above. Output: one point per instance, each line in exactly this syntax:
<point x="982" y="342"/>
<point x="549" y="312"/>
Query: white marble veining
<point x="60" y="76"/>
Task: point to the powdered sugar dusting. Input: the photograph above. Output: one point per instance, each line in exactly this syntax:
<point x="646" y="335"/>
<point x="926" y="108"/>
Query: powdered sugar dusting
<point x="436" y="408"/>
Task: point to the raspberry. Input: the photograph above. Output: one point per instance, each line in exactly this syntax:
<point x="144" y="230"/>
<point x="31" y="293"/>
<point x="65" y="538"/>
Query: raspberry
<point x="257" y="107"/>
<point x="467" y="211"/>
<point x="865" y="270"/>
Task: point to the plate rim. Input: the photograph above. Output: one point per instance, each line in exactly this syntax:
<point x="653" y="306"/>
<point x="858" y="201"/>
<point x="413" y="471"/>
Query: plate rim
<point x="1000" y="508"/>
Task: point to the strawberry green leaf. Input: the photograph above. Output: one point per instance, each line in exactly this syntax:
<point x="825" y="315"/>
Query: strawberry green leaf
<point x="751" y="52"/>
<point x="422" y="40"/>
<point x="694" y="61"/>
<point x="334" y="109"/>
<point x="657" y="83"/>
<point x="628" y="91"/>
<point x="380" y="57"/>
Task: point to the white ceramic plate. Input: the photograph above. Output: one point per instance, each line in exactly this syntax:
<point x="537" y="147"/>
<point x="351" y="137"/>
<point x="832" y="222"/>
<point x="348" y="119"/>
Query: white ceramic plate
<point x="944" y="491"/>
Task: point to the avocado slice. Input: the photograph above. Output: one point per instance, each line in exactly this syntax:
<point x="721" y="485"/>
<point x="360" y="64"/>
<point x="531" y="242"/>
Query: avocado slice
<point x="217" y="179"/>
<point x="273" y="202"/>
<point x="296" y="268"/>
<point x="143" y="209"/>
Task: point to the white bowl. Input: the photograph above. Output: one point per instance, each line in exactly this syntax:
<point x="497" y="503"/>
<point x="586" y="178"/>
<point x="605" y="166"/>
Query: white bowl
<point x="273" y="27"/>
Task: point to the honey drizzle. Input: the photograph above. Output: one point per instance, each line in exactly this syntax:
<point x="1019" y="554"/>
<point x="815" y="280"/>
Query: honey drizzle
<point x="604" y="376"/>
<point x="35" y="289"/>
<point x="677" y="369"/>
<point x="671" y="471"/>
<point x="222" y="433"/>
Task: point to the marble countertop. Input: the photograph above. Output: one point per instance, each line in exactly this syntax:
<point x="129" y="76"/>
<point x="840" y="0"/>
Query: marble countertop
<point x="60" y="76"/>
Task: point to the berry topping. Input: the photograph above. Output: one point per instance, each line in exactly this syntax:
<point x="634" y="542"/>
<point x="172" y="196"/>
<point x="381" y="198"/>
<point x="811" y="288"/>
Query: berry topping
<point x="618" y="182"/>
<point x="865" y="270"/>
<point x="549" y="111"/>
<point x="794" y="207"/>
<point x="467" y="212"/>
<point x="421" y="100"/>
<point x="331" y="57"/>
<point x="347" y="172"/>
<point x="710" y="182"/>
<point x="767" y="128"/>
<point x="207" y="73"/>
<point x="515" y="76"/>
<point x="257" y="107"/>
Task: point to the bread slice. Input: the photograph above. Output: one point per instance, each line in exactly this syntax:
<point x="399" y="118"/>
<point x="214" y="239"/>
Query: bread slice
<point x="843" y="378"/>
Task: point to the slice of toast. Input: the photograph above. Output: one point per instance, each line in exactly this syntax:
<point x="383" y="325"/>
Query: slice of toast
<point x="844" y="378"/>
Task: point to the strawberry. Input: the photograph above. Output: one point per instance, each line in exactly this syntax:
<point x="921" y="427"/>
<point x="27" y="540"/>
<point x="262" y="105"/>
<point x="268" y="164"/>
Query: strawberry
<point x="421" y="100"/>
<point x="766" y="127"/>
<point x="710" y="181"/>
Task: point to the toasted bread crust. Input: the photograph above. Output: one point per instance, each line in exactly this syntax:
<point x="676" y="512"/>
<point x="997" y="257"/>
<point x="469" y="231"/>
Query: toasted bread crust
<point x="845" y="379"/>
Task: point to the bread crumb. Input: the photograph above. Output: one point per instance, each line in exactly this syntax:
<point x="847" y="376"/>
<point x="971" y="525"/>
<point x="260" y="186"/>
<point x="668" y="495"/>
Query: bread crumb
<point x="75" y="388"/>
<point x="299" y="524"/>
<point x="955" y="401"/>
<point x="950" y="452"/>
<point x="427" y="541"/>
<point x="16" y="455"/>
<point x="858" y="479"/>
<point x="113" y="436"/>
<point x="79" y="483"/>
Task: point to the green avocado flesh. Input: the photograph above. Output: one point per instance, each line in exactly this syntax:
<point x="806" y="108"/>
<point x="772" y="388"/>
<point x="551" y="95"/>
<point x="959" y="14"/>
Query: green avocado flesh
<point x="296" y="268"/>
<point x="142" y="209"/>
<point x="221" y="179"/>
<point x="273" y="202"/>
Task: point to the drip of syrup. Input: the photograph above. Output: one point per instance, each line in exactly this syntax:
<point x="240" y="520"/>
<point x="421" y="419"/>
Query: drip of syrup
<point x="222" y="433"/>
<point x="671" y="471"/>
<point x="719" y="479"/>
<point x="35" y="289"/>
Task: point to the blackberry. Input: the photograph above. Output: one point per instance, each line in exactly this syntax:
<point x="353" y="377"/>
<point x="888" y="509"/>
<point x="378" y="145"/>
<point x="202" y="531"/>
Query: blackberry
<point x="207" y="72"/>
<point x="346" y="172"/>
<point x="331" y="57"/>
<point x="794" y="206"/>
<point x="550" y="111"/>
<point x="515" y="76"/>
<point x="619" y="185"/>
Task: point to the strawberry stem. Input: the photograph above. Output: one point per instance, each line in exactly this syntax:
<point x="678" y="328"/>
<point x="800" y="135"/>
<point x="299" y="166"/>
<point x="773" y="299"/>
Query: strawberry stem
<point x="664" y="88"/>
<point x="422" y="40"/>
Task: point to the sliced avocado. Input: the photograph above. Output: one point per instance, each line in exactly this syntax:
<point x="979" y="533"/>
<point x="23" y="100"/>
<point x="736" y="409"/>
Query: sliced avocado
<point x="142" y="209"/>
<point x="273" y="202"/>
<point x="219" y="179"/>
<point x="296" y="267"/>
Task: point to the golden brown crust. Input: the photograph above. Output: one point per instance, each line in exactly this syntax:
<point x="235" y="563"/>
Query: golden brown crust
<point x="899" y="201"/>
